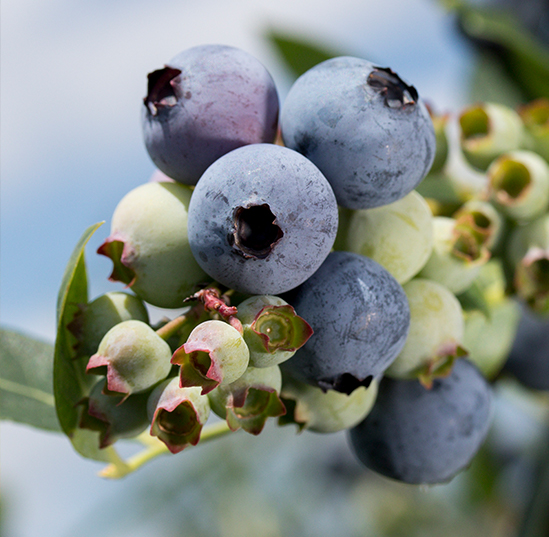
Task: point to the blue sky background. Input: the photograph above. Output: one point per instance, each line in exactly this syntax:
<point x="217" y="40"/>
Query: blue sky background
<point x="72" y="82"/>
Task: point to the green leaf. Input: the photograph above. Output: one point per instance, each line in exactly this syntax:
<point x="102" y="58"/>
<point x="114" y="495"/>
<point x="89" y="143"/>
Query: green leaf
<point x="474" y="299"/>
<point x="26" y="381"/>
<point x="70" y="381"/>
<point x="299" y="54"/>
<point x="525" y="57"/>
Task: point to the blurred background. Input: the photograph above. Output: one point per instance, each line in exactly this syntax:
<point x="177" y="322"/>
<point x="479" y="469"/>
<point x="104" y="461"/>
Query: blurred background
<point x="72" y="83"/>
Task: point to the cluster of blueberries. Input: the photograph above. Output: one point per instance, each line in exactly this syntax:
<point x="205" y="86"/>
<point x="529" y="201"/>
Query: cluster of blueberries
<point x="322" y="286"/>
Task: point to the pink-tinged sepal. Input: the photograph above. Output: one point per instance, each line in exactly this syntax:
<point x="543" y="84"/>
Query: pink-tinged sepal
<point x="177" y="414"/>
<point x="532" y="279"/>
<point x="272" y="330"/>
<point x="214" y="353"/>
<point x="248" y="402"/>
<point x="132" y="356"/>
<point x="121" y="253"/>
<point x="114" y="417"/>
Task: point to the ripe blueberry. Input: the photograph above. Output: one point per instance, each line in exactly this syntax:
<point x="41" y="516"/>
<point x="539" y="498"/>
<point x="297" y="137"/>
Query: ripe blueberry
<point x="360" y="318"/>
<point x="365" y="129"/>
<point x="205" y="102"/>
<point x="420" y="436"/>
<point x="262" y="219"/>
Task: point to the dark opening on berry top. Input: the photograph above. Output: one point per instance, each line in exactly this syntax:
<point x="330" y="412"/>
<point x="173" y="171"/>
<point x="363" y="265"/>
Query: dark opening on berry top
<point x="255" y="231"/>
<point x="162" y="89"/>
<point x="205" y="102"/>
<point x="262" y="219"/>
<point x="363" y="126"/>
<point x="396" y="92"/>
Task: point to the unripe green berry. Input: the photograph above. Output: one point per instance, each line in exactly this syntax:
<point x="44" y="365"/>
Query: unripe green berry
<point x="133" y="357"/>
<point x="482" y="220"/>
<point x="114" y="417"/>
<point x="100" y="315"/>
<point x="312" y="409"/>
<point x="399" y="236"/>
<point x="490" y="330"/>
<point x="435" y="336"/>
<point x="149" y="247"/>
<point x="457" y="255"/>
<point x="488" y="130"/>
<point x="519" y="184"/>
<point x="272" y="329"/>
<point x="528" y="253"/>
<point x="214" y="353"/>
<point x="535" y="116"/>
<point x="177" y="414"/>
<point x="248" y="402"/>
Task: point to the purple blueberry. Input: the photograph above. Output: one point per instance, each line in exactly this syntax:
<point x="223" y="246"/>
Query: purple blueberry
<point x="360" y="320"/>
<point x="365" y="129"/>
<point x="262" y="219"/>
<point x="416" y="435"/>
<point x="205" y="102"/>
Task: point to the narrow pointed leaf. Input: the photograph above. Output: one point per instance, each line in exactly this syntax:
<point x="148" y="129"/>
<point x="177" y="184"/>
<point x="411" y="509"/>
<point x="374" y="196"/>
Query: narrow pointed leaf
<point x="26" y="381"/>
<point x="70" y="382"/>
<point x="300" y="55"/>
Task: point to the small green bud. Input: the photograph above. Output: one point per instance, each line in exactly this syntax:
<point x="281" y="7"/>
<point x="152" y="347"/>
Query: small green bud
<point x="528" y="252"/>
<point x="535" y="116"/>
<point x="133" y="357"/>
<point x="435" y="336"/>
<point x="519" y="184"/>
<point x="114" y="417"/>
<point x="95" y="319"/>
<point x="214" y="353"/>
<point x="399" y="236"/>
<point x="325" y="412"/>
<point x="480" y="219"/>
<point x="488" y="130"/>
<point x="272" y="329"/>
<point x="457" y="255"/>
<point x="248" y="402"/>
<point x="177" y="415"/>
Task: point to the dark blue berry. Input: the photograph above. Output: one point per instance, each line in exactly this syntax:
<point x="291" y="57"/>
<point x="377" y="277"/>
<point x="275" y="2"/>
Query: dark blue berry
<point x="262" y="219"/>
<point x="418" y="435"/>
<point x="360" y="317"/>
<point x="529" y="357"/>
<point x="205" y="102"/>
<point x="365" y="129"/>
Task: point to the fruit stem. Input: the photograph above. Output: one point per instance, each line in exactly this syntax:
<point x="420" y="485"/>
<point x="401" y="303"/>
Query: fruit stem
<point x="121" y="468"/>
<point x="173" y="326"/>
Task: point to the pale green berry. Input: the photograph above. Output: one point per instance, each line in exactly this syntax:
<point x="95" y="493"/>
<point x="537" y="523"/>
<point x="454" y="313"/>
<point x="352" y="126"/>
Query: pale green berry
<point x="490" y="330"/>
<point x="482" y="220"/>
<point x="214" y="353"/>
<point x="457" y="255"/>
<point x="113" y="417"/>
<point x="177" y="414"/>
<point x="132" y="356"/>
<point x="488" y="130"/>
<point x="100" y="315"/>
<point x="325" y="412"/>
<point x="399" y="236"/>
<point x="272" y="329"/>
<point x="249" y="401"/>
<point x="436" y="333"/>
<point x="535" y="116"/>
<point x="528" y="253"/>
<point x="519" y="184"/>
<point x="149" y="247"/>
